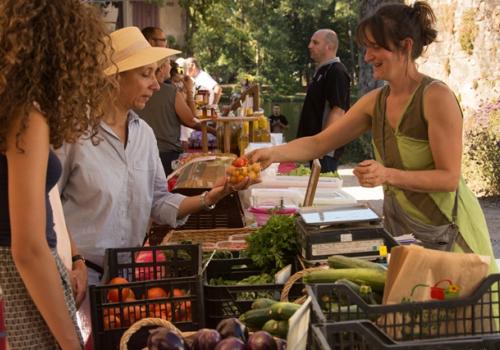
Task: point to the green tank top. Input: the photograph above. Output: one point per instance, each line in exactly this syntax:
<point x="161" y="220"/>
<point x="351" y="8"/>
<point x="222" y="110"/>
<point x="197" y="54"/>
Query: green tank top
<point x="407" y="148"/>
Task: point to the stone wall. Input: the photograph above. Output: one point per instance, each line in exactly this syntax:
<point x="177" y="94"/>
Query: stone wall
<point x="467" y="53"/>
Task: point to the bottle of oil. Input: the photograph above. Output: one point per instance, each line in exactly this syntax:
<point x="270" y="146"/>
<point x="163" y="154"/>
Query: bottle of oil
<point x="244" y="138"/>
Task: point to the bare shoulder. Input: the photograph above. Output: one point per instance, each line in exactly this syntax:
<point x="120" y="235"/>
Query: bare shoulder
<point x="440" y="103"/>
<point x="437" y="90"/>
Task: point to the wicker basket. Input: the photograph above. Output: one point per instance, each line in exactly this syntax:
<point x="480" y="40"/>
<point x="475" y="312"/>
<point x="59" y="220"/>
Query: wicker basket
<point x="145" y="322"/>
<point x="207" y="238"/>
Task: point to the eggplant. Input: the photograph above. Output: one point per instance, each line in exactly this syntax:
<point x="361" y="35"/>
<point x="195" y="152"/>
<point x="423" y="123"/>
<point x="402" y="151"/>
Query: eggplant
<point x="165" y="339"/>
<point x="280" y="343"/>
<point x="231" y="343"/>
<point x="261" y="340"/>
<point x="206" y="339"/>
<point x="232" y="327"/>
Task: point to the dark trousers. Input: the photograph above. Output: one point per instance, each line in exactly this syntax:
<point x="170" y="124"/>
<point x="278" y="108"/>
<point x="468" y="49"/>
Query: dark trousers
<point x="328" y="164"/>
<point x="166" y="160"/>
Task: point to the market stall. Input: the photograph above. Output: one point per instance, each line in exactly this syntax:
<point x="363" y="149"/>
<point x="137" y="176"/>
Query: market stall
<point x="294" y="260"/>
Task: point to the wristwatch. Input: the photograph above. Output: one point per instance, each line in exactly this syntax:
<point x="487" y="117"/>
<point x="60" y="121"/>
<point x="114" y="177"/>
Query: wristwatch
<point x="203" y="201"/>
<point x="77" y="257"/>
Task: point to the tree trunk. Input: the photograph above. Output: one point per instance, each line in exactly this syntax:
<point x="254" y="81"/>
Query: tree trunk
<point x="366" y="81"/>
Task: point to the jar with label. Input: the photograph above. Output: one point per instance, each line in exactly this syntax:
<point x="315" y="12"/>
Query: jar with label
<point x="244" y="138"/>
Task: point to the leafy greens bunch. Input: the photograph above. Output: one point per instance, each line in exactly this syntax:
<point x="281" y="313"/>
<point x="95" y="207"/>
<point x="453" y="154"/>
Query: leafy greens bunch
<point x="274" y="245"/>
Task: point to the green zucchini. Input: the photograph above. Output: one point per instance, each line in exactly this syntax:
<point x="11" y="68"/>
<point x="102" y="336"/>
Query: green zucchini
<point x="366" y="294"/>
<point x="344" y="262"/>
<point x="282" y="311"/>
<point x="262" y="303"/>
<point x="372" y="277"/>
<point x="277" y="328"/>
<point x="255" y="318"/>
<point x="344" y="299"/>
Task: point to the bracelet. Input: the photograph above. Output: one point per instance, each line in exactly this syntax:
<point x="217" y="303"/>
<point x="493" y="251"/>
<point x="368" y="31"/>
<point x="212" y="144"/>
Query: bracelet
<point x="77" y="257"/>
<point x="204" y="204"/>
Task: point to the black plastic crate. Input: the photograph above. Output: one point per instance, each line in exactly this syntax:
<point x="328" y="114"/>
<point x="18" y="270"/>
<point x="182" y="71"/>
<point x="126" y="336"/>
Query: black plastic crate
<point x="233" y="300"/>
<point x="364" y="335"/>
<point x="361" y="240"/>
<point x="228" y="212"/>
<point x="474" y="316"/>
<point x="179" y="260"/>
<point x="182" y="305"/>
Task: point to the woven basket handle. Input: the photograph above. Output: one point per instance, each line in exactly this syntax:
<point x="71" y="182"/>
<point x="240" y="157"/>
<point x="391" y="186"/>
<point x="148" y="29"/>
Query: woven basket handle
<point x="294" y="278"/>
<point x="145" y="322"/>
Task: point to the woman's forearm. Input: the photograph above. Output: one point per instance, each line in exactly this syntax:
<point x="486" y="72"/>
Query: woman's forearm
<point x="423" y="180"/>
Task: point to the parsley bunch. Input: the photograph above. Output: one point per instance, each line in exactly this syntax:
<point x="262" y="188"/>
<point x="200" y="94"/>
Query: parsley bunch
<point x="274" y="245"/>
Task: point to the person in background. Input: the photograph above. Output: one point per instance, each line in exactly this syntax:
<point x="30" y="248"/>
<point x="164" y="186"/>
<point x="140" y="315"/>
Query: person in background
<point x="277" y="120"/>
<point x="111" y="190"/>
<point x="52" y="88"/>
<point x="155" y="36"/>
<point x="416" y="124"/>
<point x="203" y="80"/>
<point x="328" y="94"/>
<point x="165" y="112"/>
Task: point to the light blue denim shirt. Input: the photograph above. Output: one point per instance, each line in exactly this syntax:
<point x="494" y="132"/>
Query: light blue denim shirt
<point x="109" y="192"/>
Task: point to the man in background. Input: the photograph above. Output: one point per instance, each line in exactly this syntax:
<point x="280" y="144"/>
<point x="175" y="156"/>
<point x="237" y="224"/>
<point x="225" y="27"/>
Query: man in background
<point x="203" y="80"/>
<point x="156" y="36"/>
<point x="277" y="120"/>
<point x="328" y="94"/>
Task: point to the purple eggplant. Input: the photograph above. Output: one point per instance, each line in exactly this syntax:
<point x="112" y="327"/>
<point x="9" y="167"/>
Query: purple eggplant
<point x="232" y="327"/>
<point x="261" y="340"/>
<point x="280" y="343"/>
<point x="206" y="339"/>
<point x="230" y="343"/>
<point x="165" y="339"/>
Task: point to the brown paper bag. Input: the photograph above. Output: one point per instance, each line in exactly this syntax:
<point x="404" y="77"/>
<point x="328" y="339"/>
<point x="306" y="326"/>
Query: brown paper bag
<point x="416" y="274"/>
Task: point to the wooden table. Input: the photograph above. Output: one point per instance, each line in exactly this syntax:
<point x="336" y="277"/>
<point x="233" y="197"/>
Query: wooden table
<point x="226" y="121"/>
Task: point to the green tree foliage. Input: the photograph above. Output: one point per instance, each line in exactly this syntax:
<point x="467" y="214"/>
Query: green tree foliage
<point x="266" y="39"/>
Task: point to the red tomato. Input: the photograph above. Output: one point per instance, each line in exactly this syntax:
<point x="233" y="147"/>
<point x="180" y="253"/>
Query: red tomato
<point x="240" y="162"/>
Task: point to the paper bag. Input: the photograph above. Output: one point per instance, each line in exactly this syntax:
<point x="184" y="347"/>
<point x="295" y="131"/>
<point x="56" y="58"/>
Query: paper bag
<point x="416" y="274"/>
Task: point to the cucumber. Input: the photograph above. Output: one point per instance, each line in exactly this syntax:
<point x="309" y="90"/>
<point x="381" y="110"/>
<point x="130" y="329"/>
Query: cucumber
<point x="366" y="294"/>
<point x="277" y="328"/>
<point x="344" y="262"/>
<point x="255" y="318"/>
<point x="282" y="311"/>
<point x="344" y="299"/>
<point x="372" y="277"/>
<point x="262" y="303"/>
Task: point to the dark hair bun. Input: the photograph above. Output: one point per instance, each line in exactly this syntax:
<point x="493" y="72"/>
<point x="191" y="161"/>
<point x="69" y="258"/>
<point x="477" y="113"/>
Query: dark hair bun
<point x="424" y="16"/>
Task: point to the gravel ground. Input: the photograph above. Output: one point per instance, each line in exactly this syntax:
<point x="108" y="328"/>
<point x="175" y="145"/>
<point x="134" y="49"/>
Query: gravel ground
<point x="373" y="196"/>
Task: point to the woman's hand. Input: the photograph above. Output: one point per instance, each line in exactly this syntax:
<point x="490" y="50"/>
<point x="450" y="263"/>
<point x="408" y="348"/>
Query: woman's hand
<point x="223" y="188"/>
<point x="264" y="156"/>
<point x="371" y="173"/>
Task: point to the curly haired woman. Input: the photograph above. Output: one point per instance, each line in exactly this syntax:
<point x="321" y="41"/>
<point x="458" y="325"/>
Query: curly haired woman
<point x="52" y="89"/>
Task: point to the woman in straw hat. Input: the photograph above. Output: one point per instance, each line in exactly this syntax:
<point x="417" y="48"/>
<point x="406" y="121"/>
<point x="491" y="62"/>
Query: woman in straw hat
<point x="52" y="89"/>
<point x="110" y="191"/>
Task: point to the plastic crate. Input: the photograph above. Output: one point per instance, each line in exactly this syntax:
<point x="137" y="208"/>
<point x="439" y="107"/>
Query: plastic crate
<point x="185" y="310"/>
<point x="365" y="335"/>
<point x="228" y="212"/>
<point x="179" y="260"/>
<point x="233" y="300"/>
<point x="475" y="316"/>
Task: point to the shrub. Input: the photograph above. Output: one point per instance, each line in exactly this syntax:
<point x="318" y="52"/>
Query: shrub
<point x="481" y="158"/>
<point x="468" y="31"/>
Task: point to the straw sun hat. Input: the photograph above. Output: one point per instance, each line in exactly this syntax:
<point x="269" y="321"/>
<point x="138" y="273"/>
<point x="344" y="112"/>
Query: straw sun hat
<point x="132" y="50"/>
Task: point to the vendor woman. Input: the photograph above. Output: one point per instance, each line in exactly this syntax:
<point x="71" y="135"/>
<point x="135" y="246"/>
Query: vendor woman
<point x="416" y="123"/>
